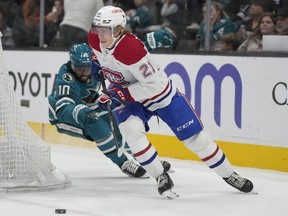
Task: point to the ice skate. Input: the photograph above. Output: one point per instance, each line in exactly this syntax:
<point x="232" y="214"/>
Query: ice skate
<point x="165" y="185"/>
<point x="239" y="183"/>
<point x="132" y="169"/>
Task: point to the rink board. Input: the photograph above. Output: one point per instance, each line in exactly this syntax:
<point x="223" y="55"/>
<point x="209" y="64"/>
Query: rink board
<point x="242" y="102"/>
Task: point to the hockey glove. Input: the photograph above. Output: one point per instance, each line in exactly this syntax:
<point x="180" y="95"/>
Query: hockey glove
<point x="96" y="70"/>
<point x="159" y="39"/>
<point x="115" y="97"/>
<point x="83" y="115"/>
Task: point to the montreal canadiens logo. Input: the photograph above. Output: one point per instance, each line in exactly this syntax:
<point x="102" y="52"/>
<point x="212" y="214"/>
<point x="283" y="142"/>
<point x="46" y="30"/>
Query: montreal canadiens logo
<point x="114" y="77"/>
<point x="68" y="77"/>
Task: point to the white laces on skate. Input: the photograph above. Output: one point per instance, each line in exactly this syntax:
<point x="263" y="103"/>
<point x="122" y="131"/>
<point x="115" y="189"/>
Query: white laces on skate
<point x="129" y="167"/>
<point x="134" y="170"/>
<point x="236" y="180"/>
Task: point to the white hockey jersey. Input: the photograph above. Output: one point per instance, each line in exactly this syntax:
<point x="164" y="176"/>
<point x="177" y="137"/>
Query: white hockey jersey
<point x="129" y="64"/>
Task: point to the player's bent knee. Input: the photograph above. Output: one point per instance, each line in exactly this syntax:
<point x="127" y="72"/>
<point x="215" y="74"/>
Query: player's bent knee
<point x="132" y="129"/>
<point x="199" y="141"/>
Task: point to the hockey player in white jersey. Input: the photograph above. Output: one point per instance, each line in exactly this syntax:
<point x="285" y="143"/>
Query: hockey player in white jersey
<point x="146" y="90"/>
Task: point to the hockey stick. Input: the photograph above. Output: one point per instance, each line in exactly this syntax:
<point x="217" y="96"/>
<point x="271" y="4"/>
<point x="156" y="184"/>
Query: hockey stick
<point x="113" y="125"/>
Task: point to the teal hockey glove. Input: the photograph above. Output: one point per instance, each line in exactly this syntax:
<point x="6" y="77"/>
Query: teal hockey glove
<point x="83" y="114"/>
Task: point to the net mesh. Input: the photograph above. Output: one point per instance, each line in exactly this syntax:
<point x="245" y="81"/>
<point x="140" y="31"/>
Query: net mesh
<point x="24" y="157"/>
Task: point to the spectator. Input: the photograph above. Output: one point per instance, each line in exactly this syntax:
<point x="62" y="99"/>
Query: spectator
<point x="282" y="21"/>
<point x="267" y="26"/>
<point x="257" y="8"/>
<point x="11" y="7"/>
<point x="220" y="24"/>
<point x="155" y="11"/>
<point x="138" y="18"/>
<point x="169" y="12"/>
<point x="170" y="21"/>
<point x="7" y="37"/>
<point x="26" y="25"/>
<point x="196" y="16"/>
<point x="171" y="17"/>
<point x="53" y="27"/>
<point x="78" y="16"/>
<point x="230" y="42"/>
<point x="238" y="11"/>
<point x="195" y="10"/>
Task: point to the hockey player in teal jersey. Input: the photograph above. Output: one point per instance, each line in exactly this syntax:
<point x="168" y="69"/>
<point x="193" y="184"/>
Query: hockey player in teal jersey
<point x="73" y="109"/>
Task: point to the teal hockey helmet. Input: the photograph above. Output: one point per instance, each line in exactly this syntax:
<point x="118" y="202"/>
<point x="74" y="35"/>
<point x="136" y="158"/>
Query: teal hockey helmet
<point x="81" y="55"/>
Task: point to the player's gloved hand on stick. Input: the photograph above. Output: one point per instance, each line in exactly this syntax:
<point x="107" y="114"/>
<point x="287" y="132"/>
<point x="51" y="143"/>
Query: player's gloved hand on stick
<point x="83" y="115"/>
<point x="115" y="97"/>
<point x="96" y="70"/>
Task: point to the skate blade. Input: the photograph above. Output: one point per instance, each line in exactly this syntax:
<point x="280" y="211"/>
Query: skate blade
<point x="145" y="177"/>
<point x="170" y="194"/>
<point x="251" y="193"/>
<point x="141" y="177"/>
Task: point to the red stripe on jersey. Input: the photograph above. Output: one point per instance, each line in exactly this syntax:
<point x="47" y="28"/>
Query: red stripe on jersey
<point x="212" y="155"/>
<point x="162" y="93"/>
<point x="130" y="50"/>
<point x="143" y="151"/>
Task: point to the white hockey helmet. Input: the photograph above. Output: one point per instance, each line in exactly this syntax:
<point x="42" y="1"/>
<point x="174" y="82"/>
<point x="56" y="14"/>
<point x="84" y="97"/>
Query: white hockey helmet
<point x="110" y="16"/>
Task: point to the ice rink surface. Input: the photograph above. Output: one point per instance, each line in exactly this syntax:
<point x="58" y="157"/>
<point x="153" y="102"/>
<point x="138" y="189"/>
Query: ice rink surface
<point x="99" y="188"/>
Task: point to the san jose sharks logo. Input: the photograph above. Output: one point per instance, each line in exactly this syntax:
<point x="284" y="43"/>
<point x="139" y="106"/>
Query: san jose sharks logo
<point x="90" y="97"/>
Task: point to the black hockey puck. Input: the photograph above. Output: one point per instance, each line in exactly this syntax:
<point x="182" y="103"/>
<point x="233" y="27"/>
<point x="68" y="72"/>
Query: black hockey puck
<point x="60" y="211"/>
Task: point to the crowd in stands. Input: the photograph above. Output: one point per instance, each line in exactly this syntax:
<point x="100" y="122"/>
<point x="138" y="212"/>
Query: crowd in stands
<point x="233" y="25"/>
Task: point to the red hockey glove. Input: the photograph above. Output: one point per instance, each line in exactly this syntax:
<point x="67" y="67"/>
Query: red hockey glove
<point x="115" y="97"/>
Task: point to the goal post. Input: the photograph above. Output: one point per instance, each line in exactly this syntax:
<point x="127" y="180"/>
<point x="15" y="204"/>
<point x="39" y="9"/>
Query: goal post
<point x="25" y="160"/>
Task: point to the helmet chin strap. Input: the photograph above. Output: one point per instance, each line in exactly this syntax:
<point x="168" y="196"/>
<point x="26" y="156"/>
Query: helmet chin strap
<point x="115" y="39"/>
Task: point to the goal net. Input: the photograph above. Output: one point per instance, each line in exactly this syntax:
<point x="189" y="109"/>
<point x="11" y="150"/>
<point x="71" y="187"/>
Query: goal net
<point x="24" y="157"/>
